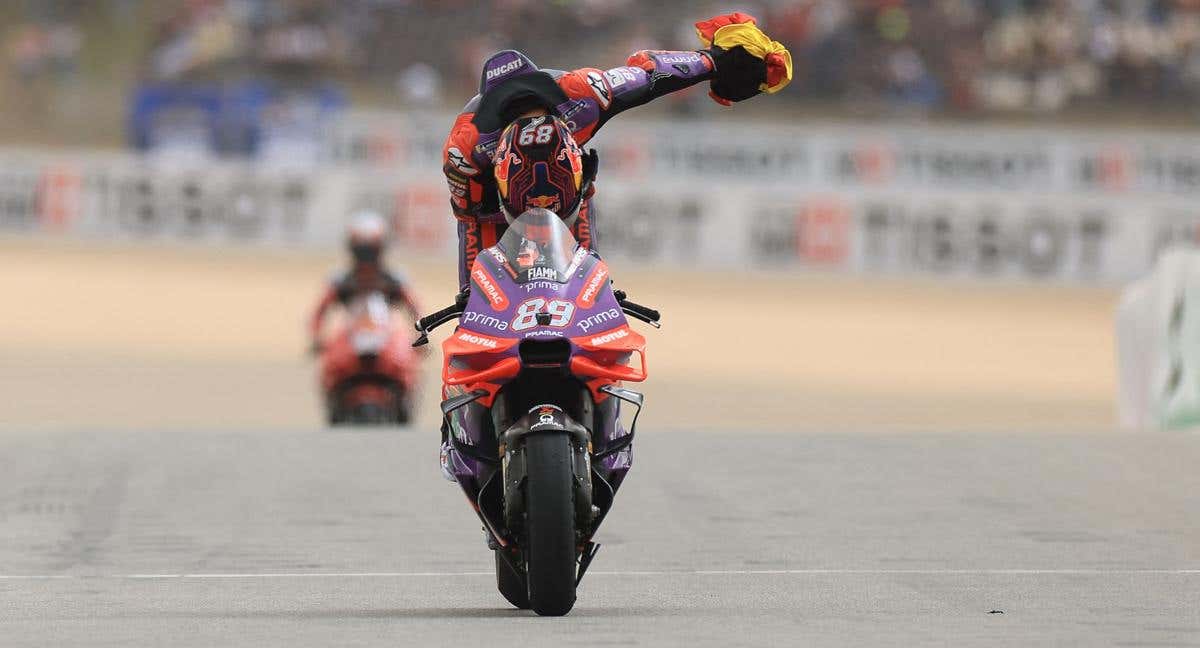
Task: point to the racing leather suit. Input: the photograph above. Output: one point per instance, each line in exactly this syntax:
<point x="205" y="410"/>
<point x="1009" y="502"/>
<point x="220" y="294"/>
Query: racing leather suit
<point x="585" y="99"/>
<point x="740" y="61"/>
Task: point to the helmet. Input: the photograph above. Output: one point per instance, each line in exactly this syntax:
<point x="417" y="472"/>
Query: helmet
<point x="366" y="236"/>
<point x="538" y="164"/>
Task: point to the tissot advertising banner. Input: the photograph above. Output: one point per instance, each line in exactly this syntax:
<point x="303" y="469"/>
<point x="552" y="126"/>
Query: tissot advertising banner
<point x="983" y="202"/>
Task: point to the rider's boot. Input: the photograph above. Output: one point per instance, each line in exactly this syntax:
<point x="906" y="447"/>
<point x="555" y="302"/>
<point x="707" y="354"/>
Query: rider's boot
<point x="444" y="458"/>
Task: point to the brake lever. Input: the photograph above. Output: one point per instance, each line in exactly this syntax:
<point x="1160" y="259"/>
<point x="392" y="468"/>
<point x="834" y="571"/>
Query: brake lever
<point x="640" y="316"/>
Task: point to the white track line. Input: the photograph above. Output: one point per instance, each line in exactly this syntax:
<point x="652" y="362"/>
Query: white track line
<point x="706" y="572"/>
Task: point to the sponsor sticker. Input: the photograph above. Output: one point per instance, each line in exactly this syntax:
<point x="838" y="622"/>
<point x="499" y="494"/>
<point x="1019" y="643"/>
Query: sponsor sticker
<point x="499" y="257"/>
<point x="580" y="255"/>
<point x="457" y="188"/>
<point x="545" y="417"/>
<point x="478" y="340"/>
<point x="600" y="89"/>
<point x="456" y="159"/>
<point x="609" y="337"/>
<point x="531" y="286"/>
<point x="551" y="202"/>
<point x="544" y="333"/>
<point x="490" y="288"/>
<point x="488" y="321"/>
<point x="678" y="58"/>
<point x="504" y="69"/>
<point x="542" y="273"/>
<point x="592" y="286"/>
<point x="603" y="317"/>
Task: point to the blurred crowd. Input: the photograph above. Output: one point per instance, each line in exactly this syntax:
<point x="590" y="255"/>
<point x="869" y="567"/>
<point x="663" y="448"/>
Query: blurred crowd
<point x="995" y="55"/>
<point x="927" y="56"/>
<point x="44" y="50"/>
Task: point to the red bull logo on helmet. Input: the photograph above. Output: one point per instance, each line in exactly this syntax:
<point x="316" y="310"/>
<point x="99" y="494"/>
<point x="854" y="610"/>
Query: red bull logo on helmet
<point x="545" y="202"/>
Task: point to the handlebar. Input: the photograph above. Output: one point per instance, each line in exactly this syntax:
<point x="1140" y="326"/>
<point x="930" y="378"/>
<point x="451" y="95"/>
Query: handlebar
<point x="430" y="322"/>
<point x="434" y="320"/>
<point x="643" y="313"/>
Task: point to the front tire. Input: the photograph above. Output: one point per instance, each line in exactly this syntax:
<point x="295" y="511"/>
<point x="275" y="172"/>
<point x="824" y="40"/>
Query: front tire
<point x="550" y="524"/>
<point x="511" y="583"/>
<point x="403" y="404"/>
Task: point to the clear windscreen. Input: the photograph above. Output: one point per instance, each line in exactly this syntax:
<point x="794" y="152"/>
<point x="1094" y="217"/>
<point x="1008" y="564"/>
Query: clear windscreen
<point x="539" y="246"/>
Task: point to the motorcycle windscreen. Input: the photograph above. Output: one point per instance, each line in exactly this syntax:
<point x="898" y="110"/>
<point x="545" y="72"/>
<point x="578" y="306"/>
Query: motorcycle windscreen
<point x="539" y="247"/>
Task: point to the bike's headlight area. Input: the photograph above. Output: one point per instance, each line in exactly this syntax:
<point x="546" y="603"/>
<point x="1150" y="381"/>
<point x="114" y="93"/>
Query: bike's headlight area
<point x="545" y="354"/>
<point x="473" y="361"/>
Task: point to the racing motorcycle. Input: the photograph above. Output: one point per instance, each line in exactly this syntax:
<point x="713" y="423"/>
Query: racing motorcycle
<point x="368" y="370"/>
<point x="532" y="386"/>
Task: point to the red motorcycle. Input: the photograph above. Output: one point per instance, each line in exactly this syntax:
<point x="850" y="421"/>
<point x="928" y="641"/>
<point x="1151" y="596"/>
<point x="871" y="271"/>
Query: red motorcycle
<point x="369" y="371"/>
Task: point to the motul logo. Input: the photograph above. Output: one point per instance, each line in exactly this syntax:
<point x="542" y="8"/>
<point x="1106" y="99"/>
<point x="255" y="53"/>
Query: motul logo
<point x="609" y="337"/>
<point x="591" y="289"/>
<point x="478" y="340"/>
<point x="487" y="284"/>
<point x="504" y="69"/>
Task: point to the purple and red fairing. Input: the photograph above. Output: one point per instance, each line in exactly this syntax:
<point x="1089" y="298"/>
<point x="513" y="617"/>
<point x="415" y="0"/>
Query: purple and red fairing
<point x="538" y="300"/>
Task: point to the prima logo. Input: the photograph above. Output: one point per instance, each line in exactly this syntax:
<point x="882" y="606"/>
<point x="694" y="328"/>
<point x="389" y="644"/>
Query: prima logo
<point x="679" y="58"/>
<point x="473" y="317"/>
<point x="609" y="337"/>
<point x="602" y="317"/>
<point x="478" y="340"/>
<point x="504" y="69"/>
<point x="539" y="285"/>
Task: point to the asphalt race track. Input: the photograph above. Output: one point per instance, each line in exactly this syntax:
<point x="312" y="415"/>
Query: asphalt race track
<point x="317" y="538"/>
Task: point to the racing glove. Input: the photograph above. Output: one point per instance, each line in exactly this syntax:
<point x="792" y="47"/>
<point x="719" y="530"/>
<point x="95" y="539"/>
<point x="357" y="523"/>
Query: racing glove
<point x="746" y="60"/>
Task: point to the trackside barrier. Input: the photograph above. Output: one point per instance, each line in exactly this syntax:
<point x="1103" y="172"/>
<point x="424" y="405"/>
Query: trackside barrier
<point x="124" y="196"/>
<point x="979" y="202"/>
<point x="1158" y="345"/>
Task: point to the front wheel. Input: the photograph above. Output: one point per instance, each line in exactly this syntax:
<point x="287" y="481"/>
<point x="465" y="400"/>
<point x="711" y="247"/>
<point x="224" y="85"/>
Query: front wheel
<point x="550" y="523"/>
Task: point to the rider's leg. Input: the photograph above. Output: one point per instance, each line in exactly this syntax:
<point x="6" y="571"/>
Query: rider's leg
<point x="584" y="229"/>
<point x="473" y="238"/>
<point x="468" y="247"/>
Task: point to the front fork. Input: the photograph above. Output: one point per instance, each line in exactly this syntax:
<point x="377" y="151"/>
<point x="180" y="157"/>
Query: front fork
<point x="502" y="489"/>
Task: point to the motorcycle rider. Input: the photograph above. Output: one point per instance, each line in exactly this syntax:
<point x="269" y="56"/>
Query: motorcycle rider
<point x="738" y="60"/>
<point x="366" y="239"/>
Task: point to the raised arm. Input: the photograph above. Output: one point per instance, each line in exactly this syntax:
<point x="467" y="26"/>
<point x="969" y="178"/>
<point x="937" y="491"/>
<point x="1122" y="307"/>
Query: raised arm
<point x="739" y="60"/>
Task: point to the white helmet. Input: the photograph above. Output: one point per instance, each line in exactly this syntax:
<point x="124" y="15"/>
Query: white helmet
<point x="366" y="235"/>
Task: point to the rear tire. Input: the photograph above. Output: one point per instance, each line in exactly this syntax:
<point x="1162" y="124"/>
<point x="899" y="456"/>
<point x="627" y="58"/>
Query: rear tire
<point x="511" y="584"/>
<point x="550" y="523"/>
